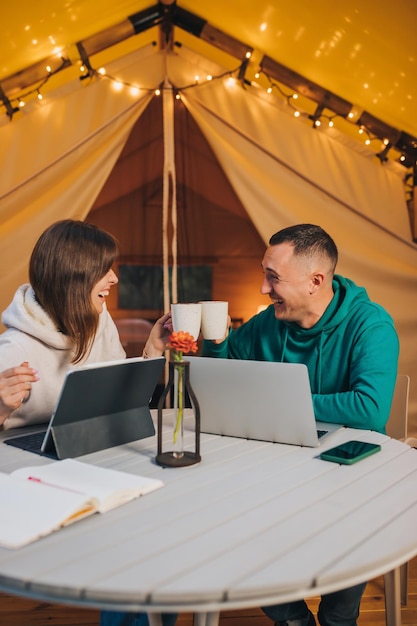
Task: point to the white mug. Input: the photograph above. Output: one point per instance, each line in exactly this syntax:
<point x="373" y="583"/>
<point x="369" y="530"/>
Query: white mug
<point x="214" y="318"/>
<point x="186" y="316"/>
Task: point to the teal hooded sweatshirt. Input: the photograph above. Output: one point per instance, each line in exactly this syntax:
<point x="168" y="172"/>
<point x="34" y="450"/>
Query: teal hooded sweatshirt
<point x="351" y="354"/>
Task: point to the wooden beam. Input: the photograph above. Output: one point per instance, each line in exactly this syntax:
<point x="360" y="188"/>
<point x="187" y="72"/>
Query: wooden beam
<point x="199" y="27"/>
<point x="36" y="73"/>
<point x="167" y="14"/>
<point x="107" y="38"/>
<point x="305" y="87"/>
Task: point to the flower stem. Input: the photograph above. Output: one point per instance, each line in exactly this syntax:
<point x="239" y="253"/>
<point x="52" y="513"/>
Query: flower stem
<point x="180" y="371"/>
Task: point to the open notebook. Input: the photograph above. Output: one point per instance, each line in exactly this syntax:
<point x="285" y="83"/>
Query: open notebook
<point x="38" y="500"/>
<point x="257" y="400"/>
<point x="100" y="406"/>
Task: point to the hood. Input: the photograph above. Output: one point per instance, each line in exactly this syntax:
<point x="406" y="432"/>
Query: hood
<point x="346" y="297"/>
<point x="26" y="315"/>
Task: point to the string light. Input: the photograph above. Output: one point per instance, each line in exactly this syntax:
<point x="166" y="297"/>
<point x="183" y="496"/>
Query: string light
<point x="10" y="110"/>
<point x="319" y="117"/>
<point x="383" y="155"/>
<point x="21" y="100"/>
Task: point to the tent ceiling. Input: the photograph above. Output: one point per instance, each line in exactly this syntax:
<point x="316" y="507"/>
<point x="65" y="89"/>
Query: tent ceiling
<point x="365" y="53"/>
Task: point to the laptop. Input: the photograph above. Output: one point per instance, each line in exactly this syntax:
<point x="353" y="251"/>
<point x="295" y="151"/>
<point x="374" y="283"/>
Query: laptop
<point x="257" y="400"/>
<point x="101" y="405"/>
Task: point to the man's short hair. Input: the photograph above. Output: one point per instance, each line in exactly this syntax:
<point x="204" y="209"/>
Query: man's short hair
<point x="308" y="240"/>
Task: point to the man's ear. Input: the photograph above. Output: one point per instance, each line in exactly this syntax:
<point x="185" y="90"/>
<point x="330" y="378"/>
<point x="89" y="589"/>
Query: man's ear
<point x="316" y="282"/>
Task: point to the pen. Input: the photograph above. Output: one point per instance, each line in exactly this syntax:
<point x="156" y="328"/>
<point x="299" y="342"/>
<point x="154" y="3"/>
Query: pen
<point x="42" y="482"/>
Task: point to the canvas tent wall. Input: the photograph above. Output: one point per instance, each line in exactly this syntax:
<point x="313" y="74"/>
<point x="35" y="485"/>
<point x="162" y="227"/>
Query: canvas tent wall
<point x="281" y="171"/>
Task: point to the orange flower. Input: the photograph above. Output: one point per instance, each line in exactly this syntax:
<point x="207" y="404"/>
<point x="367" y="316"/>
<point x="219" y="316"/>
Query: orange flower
<point x="182" y="343"/>
<point x="179" y="343"/>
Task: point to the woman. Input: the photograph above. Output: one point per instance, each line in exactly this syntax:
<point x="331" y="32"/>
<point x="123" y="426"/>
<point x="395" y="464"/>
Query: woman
<point x="60" y="321"/>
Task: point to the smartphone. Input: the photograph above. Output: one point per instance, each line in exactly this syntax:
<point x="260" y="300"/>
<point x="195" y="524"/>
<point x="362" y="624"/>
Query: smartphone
<point x="350" y="452"/>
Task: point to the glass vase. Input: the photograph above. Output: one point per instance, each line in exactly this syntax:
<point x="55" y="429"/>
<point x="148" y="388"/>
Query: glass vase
<point x="178" y="404"/>
<point x="183" y="398"/>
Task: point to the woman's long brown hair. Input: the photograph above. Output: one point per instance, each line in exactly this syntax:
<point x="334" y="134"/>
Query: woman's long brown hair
<point x="69" y="258"/>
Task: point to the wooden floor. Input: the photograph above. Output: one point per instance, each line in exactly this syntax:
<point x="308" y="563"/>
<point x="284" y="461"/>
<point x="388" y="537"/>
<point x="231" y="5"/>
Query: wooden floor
<point x="15" y="611"/>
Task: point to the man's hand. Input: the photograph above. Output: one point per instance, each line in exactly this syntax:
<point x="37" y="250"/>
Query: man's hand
<point x="229" y="323"/>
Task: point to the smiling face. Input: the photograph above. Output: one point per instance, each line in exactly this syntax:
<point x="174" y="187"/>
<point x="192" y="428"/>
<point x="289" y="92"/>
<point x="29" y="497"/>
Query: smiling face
<point x="101" y="290"/>
<point x="294" y="284"/>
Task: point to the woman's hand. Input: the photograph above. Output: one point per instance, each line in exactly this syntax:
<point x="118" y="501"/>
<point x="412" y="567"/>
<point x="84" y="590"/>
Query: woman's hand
<point x="15" y="387"/>
<point x="158" y="337"/>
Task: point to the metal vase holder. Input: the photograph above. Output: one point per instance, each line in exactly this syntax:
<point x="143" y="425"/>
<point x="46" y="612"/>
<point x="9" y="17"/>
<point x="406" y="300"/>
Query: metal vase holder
<point x="182" y="395"/>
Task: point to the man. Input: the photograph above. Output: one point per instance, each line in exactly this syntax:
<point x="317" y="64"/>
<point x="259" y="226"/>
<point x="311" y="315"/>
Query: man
<point x="350" y="347"/>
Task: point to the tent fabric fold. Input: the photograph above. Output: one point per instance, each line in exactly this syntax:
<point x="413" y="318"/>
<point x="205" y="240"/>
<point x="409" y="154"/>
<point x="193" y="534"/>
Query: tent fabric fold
<point x="57" y="157"/>
<point x="361" y="205"/>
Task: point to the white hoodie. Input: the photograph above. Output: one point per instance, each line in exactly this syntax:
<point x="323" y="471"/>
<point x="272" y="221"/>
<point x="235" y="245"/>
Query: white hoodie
<point x="32" y="336"/>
